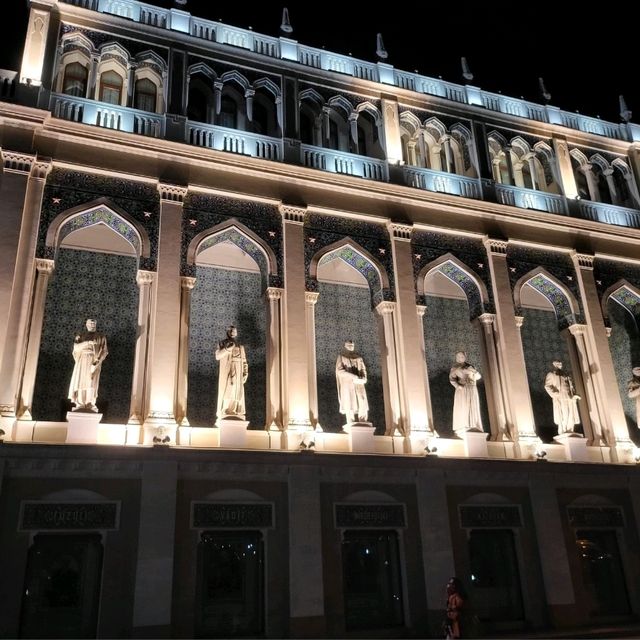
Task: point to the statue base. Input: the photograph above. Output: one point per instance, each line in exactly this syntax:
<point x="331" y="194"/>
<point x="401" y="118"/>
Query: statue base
<point x="575" y="446"/>
<point x="475" y="444"/>
<point x="362" y="438"/>
<point x="233" y="432"/>
<point x="82" y="427"/>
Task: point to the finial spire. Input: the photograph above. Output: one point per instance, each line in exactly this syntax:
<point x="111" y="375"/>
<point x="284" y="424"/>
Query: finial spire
<point x="543" y="90"/>
<point x="381" y="52"/>
<point x="466" y="71"/>
<point x="625" y="112"/>
<point x="285" y="26"/>
<point x="180" y="3"/>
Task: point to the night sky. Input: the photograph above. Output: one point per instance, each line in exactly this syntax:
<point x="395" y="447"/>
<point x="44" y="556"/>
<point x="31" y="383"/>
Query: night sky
<point x="584" y="56"/>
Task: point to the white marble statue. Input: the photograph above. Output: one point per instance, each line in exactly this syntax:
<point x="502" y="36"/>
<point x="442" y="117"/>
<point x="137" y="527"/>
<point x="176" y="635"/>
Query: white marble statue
<point x="89" y="351"/>
<point x="232" y="376"/>
<point x="633" y="391"/>
<point x="351" y="378"/>
<point x="560" y="387"/>
<point x="466" y="402"/>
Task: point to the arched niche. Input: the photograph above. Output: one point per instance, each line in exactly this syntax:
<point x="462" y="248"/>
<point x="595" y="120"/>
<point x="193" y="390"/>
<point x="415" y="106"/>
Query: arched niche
<point x="231" y="270"/>
<point x="348" y="280"/>
<point x="454" y="297"/>
<point x="97" y="251"/>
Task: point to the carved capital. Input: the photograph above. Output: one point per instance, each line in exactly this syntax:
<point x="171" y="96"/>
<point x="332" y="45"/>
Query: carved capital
<point x="249" y="93"/>
<point x="608" y="331"/>
<point x="584" y="260"/>
<point x="400" y="231"/>
<point x="144" y="277"/>
<point x="17" y="162"/>
<point x="311" y="297"/>
<point x="274" y="293"/>
<point x="488" y="318"/>
<point x="578" y="329"/>
<point x="41" y="168"/>
<point x="421" y="310"/>
<point x="7" y="410"/>
<point x="386" y="308"/>
<point x="292" y="214"/>
<point x="186" y="282"/>
<point x="519" y="321"/>
<point x="45" y="266"/>
<point x="497" y="247"/>
<point x="172" y="192"/>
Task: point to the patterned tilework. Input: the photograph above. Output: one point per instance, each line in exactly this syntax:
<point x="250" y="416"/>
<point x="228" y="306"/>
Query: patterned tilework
<point x="208" y="211"/>
<point x="344" y="312"/>
<point x="356" y="260"/>
<point x="87" y="284"/>
<point x="608" y="273"/>
<point x="446" y="330"/>
<point x="542" y="344"/>
<point x="427" y="247"/>
<point x="522" y="260"/>
<point x="555" y="296"/>
<point x="321" y="231"/>
<point x="629" y="300"/>
<point x="624" y="344"/>
<point x="222" y="297"/>
<point x="67" y="189"/>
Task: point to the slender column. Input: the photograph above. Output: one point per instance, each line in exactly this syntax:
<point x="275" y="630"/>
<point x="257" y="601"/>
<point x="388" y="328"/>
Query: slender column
<point x="424" y="369"/>
<point x="353" y="130"/>
<point x="532" y="172"/>
<point x="446" y="143"/>
<point x="592" y="183"/>
<point x="325" y="122"/>
<point x="217" y="96"/>
<point x="35" y="46"/>
<point x="565" y="168"/>
<point x="411" y="363"/>
<point x="280" y="112"/>
<point x="388" y="332"/>
<point x="17" y="318"/>
<point x="296" y="407"/>
<point x="494" y="379"/>
<point x="614" y="422"/>
<point x="165" y="327"/>
<point x="509" y="348"/>
<point x="183" y="350"/>
<point x="248" y="95"/>
<point x="391" y="122"/>
<point x="275" y="362"/>
<point x="310" y="299"/>
<point x="613" y="189"/>
<point x="130" y="86"/>
<point x="44" y="270"/>
<point x="92" y="79"/>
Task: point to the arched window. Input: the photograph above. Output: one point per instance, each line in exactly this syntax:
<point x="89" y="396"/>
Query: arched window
<point x="581" y="180"/>
<point x="200" y="105"/>
<point x="75" y="80"/>
<point x="145" y="95"/>
<point x="307" y="127"/>
<point x="228" y="113"/>
<point x="111" y="87"/>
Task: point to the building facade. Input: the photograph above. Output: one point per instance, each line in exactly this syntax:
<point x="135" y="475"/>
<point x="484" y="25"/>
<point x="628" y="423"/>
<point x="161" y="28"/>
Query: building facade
<point x="170" y="176"/>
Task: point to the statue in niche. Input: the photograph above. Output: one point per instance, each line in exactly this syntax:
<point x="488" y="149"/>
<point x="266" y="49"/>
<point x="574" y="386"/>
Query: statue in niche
<point x="89" y="351"/>
<point x="633" y="391"/>
<point x="559" y="386"/>
<point x="351" y="378"/>
<point x="466" y="402"/>
<point x="232" y="376"/>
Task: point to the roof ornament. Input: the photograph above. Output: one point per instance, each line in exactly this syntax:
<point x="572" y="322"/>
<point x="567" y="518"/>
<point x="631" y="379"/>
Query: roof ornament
<point x="180" y="3"/>
<point x="625" y="112"/>
<point x="285" y="26"/>
<point x="466" y="71"/>
<point x="381" y="52"/>
<point x="543" y="90"/>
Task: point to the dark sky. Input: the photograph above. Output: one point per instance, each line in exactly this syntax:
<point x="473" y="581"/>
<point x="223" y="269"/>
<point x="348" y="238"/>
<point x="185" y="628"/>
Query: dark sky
<point x="584" y="56"/>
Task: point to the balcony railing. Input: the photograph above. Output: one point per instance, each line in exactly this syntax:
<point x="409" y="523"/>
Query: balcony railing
<point x="349" y="164"/>
<point x="531" y="199"/>
<point x="442" y="182"/>
<point x="609" y="214"/>
<point x="234" y="141"/>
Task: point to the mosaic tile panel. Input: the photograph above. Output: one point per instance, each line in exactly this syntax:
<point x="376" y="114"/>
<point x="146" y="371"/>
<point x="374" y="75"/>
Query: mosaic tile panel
<point x="220" y="298"/>
<point x="87" y="284"/>
<point x="624" y="344"/>
<point x="356" y="260"/>
<point x="447" y="330"/>
<point x="202" y="212"/>
<point x="542" y="344"/>
<point x="344" y="312"/>
<point x="67" y="189"/>
<point x="321" y="231"/>
<point x="629" y="300"/>
<point x="556" y="298"/>
<point x="608" y="273"/>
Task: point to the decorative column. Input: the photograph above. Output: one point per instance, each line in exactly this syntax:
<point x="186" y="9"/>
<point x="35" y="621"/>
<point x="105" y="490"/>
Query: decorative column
<point x="280" y="112"/>
<point x="420" y="311"/>
<point x="614" y="422"/>
<point x="165" y="324"/>
<point x="139" y="395"/>
<point x="17" y="301"/>
<point x="509" y="350"/>
<point x="391" y="375"/>
<point x="392" y="139"/>
<point x="353" y="129"/>
<point x="275" y="362"/>
<point x="187" y="285"/>
<point x="494" y="379"/>
<point x="310" y="299"/>
<point x="44" y="269"/>
<point x="217" y="96"/>
<point x="411" y="361"/>
<point x="296" y="415"/>
<point x="592" y="183"/>
<point x="565" y="168"/>
<point x="35" y="46"/>
<point x="248" y="95"/>
<point x="325" y="122"/>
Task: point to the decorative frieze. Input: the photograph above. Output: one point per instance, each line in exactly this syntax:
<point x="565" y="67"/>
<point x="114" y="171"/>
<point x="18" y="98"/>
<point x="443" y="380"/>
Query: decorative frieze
<point x="585" y="260"/>
<point x="400" y="231"/>
<point x="224" y="515"/>
<point x="172" y="192"/>
<point x="65" y="516"/>
<point x="497" y="247"/>
<point x="291" y="214"/>
<point x="364" y="516"/>
<point x="595" y="516"/>
<point x="40" y="169"/>
<point x="17" y="162"/>
<point x="489" y="516"/>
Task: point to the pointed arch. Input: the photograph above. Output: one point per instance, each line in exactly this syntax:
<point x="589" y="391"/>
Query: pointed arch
<point x="237" y="77"/>
<point x="203" y="69"/>
<point x="437" y="126"/>
<point x="151" y="56"/>
<point x="496" y="141"/>
<point x="115" y="48"/>
<point x="579" y="157"/>
<point x="311" y="95"/>
<point x="599" y="161"/>
<point x="371" y="109"/>
<point x="78" y="40"/>
<point x="411" y="123"/>
<point x="268" y="85"/>
<point x="340" y="104"/>
<point x="520" y="146"/>
<point x="626" y="295"/>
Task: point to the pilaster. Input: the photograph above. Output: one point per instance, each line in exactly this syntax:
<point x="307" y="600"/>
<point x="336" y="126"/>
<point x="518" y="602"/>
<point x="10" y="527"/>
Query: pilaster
<point x="35" y="45"/>
<point x="310" y="299"/>
<point x="186" y="287"/>
<point x="275" y="359"/>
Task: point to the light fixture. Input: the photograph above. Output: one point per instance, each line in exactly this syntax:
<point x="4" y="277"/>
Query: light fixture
<point x="541" y="454"/>
<point x="161" y="439"/>
<point x="431" y="449"/>
<point x="309" y="448"/>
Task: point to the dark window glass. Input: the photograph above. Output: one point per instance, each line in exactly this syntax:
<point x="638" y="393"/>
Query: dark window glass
<point x="228" y="113"/>
<point x="230" y="588"/>
<point x="334" y="138"/>
<point x="75" y="80"/>
<point x="372" y="580"/>
<point x="198" y="105"/>
<point x="111" y="87"/>
<point x="602" y="572"/>
<point x="306" y="128"/>
<point x="363" y="149"/>
<point x="62" y="587"/>
<point x="495" y="577"/>
<point x="145" y="95"/>
<point x="261" y="119"/>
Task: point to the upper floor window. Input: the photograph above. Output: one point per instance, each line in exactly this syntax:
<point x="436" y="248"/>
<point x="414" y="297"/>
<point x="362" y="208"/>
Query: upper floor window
<point x="111" y="87"/>
<point x="145" y="95"/>
<point x="75" y="80"/>
<point x="228" y="113"/>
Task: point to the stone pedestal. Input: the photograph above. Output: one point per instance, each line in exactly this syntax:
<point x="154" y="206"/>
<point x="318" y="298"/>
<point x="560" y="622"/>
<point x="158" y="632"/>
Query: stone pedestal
<point x="233" y="433"/>
<point x="362" y="438"/>
<point x="82" y="427"/>
<point x="475" y="444"/>
<point x="575" y="446"/>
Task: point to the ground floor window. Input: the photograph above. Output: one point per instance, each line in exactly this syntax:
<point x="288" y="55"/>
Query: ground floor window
<point x="62" y="587"/>
<point x="230" y="586"/>
<point x="372" y="580"/>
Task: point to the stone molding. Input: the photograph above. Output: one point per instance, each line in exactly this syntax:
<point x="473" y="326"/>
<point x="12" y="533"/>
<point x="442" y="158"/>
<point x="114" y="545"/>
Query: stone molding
<point x="497" y="247"/>
<point x="45" y="266"/>
<point x="144" y="277"/>
<point x="17" y="162"/>
<point x="401" y="231"/>
<point x="187" y="282"/>
<point x="291" y="214"/>
<point x="172" y="192"/>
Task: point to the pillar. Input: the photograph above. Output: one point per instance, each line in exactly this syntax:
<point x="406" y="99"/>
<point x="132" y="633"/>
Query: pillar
<point x="391" y="122"/>
<point x="248" y="95"/>
<point x="424" y="370"/>
<point x="35" y="46"/>
<point x="275" y="368"/>
<point x="510" y="353"/>
<point x="565" y="168"/>
<point x="310" y="300"/>
<point x="296" y="407"/>
<point x="186" y="288"/>
<point x="44" y="269"/>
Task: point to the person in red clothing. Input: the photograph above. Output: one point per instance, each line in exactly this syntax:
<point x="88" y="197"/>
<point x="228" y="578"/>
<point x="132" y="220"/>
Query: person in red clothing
<point x="456" y="598"/>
